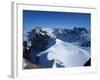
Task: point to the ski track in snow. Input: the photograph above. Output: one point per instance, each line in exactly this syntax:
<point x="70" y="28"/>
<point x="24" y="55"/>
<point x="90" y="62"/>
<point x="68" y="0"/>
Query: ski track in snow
<point x="66" y="54"/>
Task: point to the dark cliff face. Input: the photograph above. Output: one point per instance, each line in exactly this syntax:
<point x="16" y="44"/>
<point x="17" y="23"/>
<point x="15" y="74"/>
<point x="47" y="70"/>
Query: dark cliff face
<point x="40" y="39"/>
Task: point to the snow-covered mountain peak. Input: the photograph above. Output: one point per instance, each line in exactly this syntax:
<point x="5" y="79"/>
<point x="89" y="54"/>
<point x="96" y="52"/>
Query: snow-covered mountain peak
<point x="57" y="47"/>
<point x="66" y="54"/>
<point x="49" y="31"/>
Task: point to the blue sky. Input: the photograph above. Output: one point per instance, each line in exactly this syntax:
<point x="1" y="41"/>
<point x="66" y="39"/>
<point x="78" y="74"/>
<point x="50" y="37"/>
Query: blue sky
<point x="33" y="19"/>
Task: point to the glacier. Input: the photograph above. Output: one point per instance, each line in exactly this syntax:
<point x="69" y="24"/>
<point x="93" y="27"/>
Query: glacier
<point x="65" y="54"/>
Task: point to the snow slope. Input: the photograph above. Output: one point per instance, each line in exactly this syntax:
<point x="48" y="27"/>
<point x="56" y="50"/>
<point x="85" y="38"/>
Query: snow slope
<point x="65" y="54"/>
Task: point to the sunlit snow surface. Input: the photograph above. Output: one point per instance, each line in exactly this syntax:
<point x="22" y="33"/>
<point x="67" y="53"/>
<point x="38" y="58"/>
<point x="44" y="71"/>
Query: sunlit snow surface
<point x="65" y="54"/>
